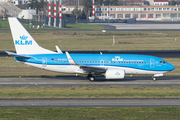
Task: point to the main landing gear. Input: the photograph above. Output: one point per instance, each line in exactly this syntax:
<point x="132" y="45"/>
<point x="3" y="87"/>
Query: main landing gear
<point x="91" y="78"/>
<point x="153" y="78"/>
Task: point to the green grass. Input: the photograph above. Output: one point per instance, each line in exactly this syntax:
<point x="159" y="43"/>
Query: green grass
<point x="5" y="24"/>
<point x="95" y="41"/>
<point x="135" y="113"/>
<point x="86" y="92"/>
<point x="85" y="26"/>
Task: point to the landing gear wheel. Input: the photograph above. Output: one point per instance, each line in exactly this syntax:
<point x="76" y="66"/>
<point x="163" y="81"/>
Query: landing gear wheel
<point x="91" y="78"/>
<point x="154" y="79"/>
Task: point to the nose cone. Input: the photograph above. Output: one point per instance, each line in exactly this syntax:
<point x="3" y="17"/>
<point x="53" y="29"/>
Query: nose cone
<point x="171" y="67"/>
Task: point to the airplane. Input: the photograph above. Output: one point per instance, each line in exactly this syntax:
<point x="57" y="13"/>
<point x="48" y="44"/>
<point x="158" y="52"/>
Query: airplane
<point x="112" y="66"/>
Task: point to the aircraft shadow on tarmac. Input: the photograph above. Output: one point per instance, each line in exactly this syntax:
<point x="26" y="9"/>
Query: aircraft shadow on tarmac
<point x="102" y="79"/>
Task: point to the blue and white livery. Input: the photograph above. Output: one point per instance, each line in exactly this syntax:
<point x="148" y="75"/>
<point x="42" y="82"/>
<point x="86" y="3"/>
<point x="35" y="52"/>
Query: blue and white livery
<point x="112" y="66"/>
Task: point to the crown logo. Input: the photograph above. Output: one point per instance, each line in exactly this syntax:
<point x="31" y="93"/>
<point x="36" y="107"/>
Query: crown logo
<point x="117" y="73"/>
<point x="117" y="57"/>
<point x="23" y="37"/>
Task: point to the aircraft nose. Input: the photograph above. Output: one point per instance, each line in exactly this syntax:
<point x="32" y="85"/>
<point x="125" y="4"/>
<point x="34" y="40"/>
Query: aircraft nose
<point x="171" y="67"/>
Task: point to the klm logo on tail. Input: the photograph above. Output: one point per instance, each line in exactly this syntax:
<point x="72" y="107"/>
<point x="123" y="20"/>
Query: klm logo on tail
<point x="23" y="41"/>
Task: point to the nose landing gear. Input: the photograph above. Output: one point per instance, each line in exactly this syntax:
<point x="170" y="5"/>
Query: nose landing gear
<point x="153" y="78"/>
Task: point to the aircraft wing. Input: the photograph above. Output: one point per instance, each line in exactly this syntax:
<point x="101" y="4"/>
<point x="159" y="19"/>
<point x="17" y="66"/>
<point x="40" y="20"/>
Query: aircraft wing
<point x="14" y="54"/>
<point x="85" y="67"/>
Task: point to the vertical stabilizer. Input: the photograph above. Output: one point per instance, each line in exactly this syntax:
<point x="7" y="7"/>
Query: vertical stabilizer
<point x="23" y="41"/>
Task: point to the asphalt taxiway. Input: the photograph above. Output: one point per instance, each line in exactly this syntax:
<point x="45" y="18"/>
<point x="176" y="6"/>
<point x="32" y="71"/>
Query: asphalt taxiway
<point x="92" y="103"/>
<point x="82" y="81"/>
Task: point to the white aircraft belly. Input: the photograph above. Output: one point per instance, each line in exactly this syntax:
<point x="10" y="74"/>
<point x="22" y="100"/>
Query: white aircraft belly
<point x="59" y="68"/>
<point x="76" y="69"/>
<point x="135" y="71"/>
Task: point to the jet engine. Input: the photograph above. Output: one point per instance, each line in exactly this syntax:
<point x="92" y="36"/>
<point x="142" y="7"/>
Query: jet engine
<point x="114" y="74"/>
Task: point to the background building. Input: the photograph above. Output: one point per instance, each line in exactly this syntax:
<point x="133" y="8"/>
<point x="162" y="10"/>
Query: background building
<point x="138" y="12"/>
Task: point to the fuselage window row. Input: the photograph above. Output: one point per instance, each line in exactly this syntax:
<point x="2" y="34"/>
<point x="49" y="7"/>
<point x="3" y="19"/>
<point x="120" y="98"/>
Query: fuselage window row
<point x="102" y="62"/>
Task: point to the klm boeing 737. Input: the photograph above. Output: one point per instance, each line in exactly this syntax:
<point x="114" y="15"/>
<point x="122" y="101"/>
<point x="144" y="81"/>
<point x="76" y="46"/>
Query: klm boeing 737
<point x="112" y="66"/>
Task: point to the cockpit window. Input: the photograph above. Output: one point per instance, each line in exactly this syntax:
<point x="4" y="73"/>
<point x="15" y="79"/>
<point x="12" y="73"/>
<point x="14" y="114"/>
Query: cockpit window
<point x="163" y="62"/>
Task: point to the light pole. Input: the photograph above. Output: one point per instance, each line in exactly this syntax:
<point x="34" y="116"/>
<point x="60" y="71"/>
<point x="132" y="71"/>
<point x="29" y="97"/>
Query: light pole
<point x="54" y="13"/>
<point x="60" y="13"/>
<point x="49" y="23"/>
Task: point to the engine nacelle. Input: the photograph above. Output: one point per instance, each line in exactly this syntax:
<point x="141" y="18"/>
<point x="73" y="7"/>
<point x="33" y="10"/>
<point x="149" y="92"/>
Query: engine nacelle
<point x="114" y="74"/>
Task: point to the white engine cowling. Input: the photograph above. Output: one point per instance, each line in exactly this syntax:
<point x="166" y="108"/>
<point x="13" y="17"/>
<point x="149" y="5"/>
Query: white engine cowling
<point x="114" y="74"/>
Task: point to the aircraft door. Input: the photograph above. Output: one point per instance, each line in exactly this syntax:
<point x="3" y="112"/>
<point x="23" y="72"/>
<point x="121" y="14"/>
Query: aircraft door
<point x="152" y="63"/>
<point x="102" y="63"/>
<point x="44" y="61"/>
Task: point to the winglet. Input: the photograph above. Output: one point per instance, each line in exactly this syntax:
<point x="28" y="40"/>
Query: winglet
<point x="71" y="61"/>
<point x="58" y="50"/>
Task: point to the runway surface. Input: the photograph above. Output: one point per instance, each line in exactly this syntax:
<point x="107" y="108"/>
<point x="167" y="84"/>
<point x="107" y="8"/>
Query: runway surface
<point x="92" y="103"/>
<point x="140" y="25"/>
<point x="82" y="81"/>
<point x="157" y="53"/>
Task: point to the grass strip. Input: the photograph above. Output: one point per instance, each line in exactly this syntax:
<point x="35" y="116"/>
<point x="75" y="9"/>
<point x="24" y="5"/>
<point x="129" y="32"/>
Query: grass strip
<point x="96" y="40"/>
<point x="5" y="25"/>
<point x="135" y="113"/>
<point x="85" y="26"/>
<point x="85" y="92"/>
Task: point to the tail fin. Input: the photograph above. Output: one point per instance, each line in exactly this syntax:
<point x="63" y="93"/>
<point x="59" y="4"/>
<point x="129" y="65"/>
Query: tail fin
<point x="23" y="41"/>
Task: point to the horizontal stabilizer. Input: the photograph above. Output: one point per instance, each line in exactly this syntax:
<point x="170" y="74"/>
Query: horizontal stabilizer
<point x="14" y="54"/>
